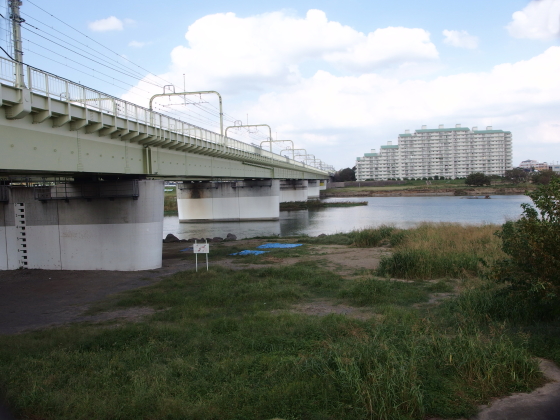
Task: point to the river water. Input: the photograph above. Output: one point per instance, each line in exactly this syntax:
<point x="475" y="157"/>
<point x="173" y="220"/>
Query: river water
<point x="401" y="212"/>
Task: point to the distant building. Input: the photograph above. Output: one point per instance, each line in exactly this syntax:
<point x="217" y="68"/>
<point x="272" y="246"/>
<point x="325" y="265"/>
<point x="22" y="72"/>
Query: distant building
<point x="534" y="165"/>
<point x="443" y="152"/>
<point x="555" y="168"/>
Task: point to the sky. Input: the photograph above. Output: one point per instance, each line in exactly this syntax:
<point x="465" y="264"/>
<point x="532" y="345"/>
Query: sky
<point x="338" y="78"/>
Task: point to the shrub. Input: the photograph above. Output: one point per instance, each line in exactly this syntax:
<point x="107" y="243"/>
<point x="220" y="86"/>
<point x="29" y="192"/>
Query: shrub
<point x="533" y="246"/>
<point x="543" y="177"/>
<point x="477" y="179"/>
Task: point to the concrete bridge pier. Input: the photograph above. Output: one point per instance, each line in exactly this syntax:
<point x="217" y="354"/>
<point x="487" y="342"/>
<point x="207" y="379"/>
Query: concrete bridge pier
<point x="313" y="188"/>
<point x="322" y="184"/>
<point x="113" y="225"/>
<point x="293" y="190"/>
<point x="247" y="200"/>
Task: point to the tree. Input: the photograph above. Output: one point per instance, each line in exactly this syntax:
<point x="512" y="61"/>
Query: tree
<point x="532" y="243"/>
<point x="477" y="179"/>
<point x="543" y="177"/>
<point x="347" y="174"/>
<point x="516" y="175"/>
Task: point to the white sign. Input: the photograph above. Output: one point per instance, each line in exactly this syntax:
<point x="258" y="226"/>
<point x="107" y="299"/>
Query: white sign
<point x="201" y="248"/>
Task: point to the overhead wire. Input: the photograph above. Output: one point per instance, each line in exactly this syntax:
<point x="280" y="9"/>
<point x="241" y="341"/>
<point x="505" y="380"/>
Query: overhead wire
<point x="73" y="42"/>
<point x="81" y="55"/>
<point x="89" y="58"/>
<point x="75" y="46"/>
<point x="98" y="43"/>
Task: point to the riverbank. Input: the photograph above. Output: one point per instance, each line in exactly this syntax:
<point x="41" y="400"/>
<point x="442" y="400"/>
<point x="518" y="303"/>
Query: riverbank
<point x="425" y="190"/>
<point x="330" y="329"/>
<point x="317" y="204"/>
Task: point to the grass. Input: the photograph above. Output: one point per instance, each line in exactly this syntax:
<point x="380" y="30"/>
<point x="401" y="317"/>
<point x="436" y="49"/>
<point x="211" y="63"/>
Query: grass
<point x="372" y="291"/>
<point x="363" y="238"/>
<point x="455" y="184"/>
<point x="437" y="250"/>
<point x="223" y="347"/>
<point x="170" y="203"/>
<point x="227" y="344"/>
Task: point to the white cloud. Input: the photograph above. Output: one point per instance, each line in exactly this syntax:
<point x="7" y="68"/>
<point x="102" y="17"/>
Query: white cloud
<point x="340" y="115"/>
<point x="244" y="52"/>
<point x="540" y="19"/>
<point x="385" y="47"/>
<point x="522" y="97"/>
<point x="111" y="23"/>
<point x="460" y="39"/>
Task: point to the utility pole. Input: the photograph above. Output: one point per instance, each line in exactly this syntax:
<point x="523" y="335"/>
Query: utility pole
<point x="16" y="33"/>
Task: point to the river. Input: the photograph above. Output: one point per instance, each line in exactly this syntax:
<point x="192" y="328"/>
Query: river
<point x="401" y="212"/>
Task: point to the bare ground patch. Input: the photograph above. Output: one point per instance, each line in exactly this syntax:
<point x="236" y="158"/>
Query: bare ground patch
<point x="323" y="307"/>
<point x="136" y="314"/>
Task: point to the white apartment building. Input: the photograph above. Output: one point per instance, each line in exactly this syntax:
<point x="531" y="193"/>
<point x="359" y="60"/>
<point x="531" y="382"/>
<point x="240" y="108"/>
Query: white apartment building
<point x="443" y="152"/>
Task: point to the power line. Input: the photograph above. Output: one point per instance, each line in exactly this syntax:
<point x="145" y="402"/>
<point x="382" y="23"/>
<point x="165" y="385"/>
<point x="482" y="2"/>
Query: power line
<point x="81" y="55"/>
<point x="98" y="43"/>
<point x="89" y="51"/>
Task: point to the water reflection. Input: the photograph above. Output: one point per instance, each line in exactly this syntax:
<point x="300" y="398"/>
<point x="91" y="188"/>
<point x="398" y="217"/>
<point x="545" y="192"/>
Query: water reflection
<point x="399" y="211"/>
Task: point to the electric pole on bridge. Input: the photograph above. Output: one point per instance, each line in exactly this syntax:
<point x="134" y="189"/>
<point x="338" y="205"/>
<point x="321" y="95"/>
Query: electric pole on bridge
<point x="16" y="33"/>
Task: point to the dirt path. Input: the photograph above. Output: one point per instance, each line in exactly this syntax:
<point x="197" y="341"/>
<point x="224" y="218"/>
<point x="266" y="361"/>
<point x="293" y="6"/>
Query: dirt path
<point x="541" y="404"/>
<point x="31" y="299"/>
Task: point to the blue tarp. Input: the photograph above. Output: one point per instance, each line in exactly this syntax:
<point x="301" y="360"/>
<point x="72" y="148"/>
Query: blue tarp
<point x="186" y="249"/>
<point x="249" y="252"/>
<point x="276" y="245"/>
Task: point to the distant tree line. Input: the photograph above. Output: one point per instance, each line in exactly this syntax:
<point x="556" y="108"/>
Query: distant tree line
<point x="343" y="175"/>
<point x="515" y="176"/>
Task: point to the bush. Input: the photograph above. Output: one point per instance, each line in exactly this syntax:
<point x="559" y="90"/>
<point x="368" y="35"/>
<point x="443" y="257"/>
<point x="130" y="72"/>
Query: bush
<point x="516" y="175"/>
<point x="543" y="177"/>
<point x="532" y="243"/>
<point x="477" y="179"/>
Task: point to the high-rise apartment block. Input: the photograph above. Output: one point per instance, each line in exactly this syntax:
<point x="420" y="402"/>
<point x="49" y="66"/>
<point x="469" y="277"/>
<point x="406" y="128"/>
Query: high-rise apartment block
<point x="443" y="152"/>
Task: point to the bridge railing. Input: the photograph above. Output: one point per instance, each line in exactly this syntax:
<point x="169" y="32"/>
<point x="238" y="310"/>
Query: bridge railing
<point x="55" y="87"/>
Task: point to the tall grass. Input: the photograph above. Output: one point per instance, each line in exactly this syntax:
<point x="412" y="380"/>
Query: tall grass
<point x="436" y="250"/>
<point x="362" y="238"/>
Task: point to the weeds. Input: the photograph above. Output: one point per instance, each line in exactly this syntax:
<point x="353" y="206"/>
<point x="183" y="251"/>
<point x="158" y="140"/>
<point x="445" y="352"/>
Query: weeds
<point x="223" y="345"/>
<point x="432" y="251"/>
<point x="371" y="291"/>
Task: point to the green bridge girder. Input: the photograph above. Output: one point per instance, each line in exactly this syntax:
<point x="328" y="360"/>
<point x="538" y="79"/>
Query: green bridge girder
<point x="54" y="126"/>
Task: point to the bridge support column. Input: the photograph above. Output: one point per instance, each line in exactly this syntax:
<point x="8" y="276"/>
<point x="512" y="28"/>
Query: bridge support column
<point x="228" y="201"/>
<point x="322" y="184"/>
<point x="107" y="232"/>
<point x="313" y="188"/>
<point x="293" y="190"/>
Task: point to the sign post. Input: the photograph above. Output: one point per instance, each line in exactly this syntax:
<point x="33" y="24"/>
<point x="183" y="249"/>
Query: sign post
<point x="202" y="248"/>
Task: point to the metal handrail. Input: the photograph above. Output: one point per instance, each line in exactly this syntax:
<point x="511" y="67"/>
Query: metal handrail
<point x="56" y="87"/>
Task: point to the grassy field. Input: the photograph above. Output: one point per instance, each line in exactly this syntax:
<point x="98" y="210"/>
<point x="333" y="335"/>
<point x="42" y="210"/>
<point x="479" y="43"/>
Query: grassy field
<point x="170" y="202"/>
<point x="232" y="343"/>
<point x="435" y="186"/>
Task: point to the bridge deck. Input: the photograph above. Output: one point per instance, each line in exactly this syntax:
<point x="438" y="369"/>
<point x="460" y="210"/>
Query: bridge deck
<point x="59" y="127"/>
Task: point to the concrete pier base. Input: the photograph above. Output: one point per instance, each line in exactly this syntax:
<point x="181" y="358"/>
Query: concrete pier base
<point x="200" y="202"/>
<point x="313" y="188"/>
<point x="92" y="227"/>
<point x="293" y="190"/>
